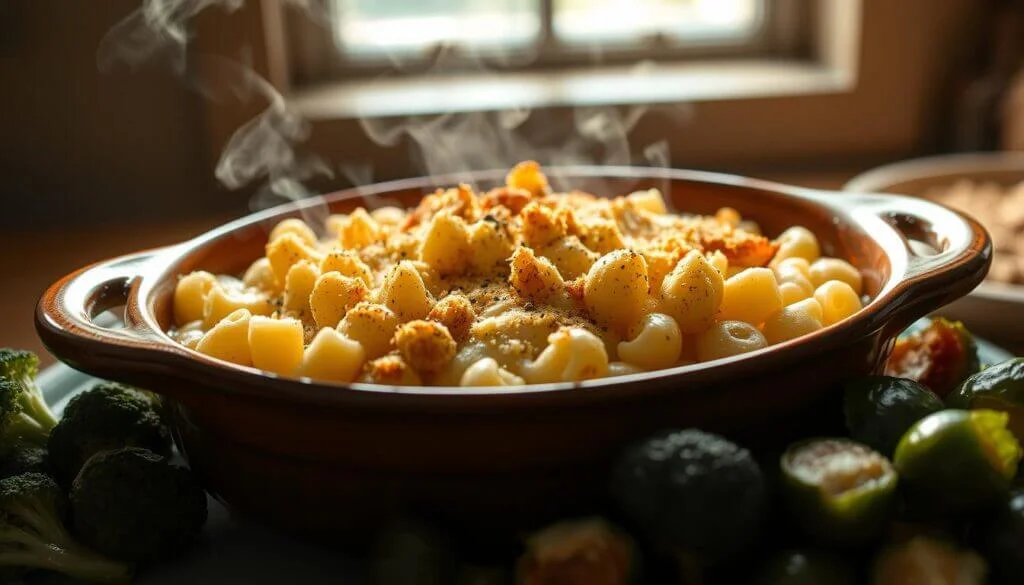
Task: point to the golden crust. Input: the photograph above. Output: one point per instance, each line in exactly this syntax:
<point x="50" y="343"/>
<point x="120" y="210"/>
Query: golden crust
<point x="390" y="370"/>
<point x="425" y="345"/>
<point x="741" y="247"/>
<point x="455" y="312"/>
<point x="513" y="199"/>
<point x="509" y="266"/>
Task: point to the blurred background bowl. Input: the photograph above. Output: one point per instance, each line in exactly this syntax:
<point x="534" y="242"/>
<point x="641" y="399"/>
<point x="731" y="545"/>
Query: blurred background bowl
<point x="994" y="309"/>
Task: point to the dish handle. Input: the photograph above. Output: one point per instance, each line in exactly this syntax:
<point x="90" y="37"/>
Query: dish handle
<point x="67" y="319"/>
<point x="939" y="254"/>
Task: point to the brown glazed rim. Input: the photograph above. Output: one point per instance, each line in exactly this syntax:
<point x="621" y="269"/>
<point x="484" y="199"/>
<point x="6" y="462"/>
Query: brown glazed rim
<point x="917" y="284"/>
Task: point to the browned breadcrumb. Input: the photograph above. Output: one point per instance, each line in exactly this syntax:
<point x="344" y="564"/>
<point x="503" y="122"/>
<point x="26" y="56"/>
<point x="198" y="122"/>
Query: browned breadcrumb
<point x="534" y="279"/>
<point x="455" y="312"/>
<point x="427" y="346"/>
<point x="527" y="175"/>
<point x="460" y="201"/>
<point x="542" y="224"/>
<point x="601" y="235"/>
<point x="742" y="248"/>
<point x="512" y="199"/>
<point x="575" y="289"/>
<point x="390" y="370"/>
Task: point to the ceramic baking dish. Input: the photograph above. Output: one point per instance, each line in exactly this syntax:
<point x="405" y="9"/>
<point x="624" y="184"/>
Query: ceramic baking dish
<point x="329" y="459"/>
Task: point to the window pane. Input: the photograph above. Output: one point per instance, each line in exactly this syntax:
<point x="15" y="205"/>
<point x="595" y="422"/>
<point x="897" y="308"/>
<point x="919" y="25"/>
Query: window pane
<point x="632" y="21"/>
<point x="373" y="27"/>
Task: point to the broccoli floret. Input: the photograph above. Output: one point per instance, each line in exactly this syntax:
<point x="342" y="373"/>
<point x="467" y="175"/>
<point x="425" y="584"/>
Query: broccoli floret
<point x="108" y="416"/>
<point x="24" y="416"/>
<point x="32" y="535"/>
<point x="132" y="504"/>
<point x="24" y="460"/>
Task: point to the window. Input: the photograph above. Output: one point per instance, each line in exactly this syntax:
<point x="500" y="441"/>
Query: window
<point x="618" y="23"/>
<point x="805" y="87"/>
<point x="363" y="38"/>
<point x="367" y="29"/>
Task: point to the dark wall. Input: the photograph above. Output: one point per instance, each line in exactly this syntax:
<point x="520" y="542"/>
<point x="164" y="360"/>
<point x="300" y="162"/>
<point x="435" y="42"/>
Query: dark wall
<point x="78" y="145"/>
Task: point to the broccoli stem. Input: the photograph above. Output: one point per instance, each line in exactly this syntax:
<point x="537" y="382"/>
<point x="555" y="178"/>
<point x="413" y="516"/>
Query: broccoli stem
<point x="79" y="564"/>
<point x="26" y="429"/>
<point x="59" y="553"/>
<point x="44" y="543"/>
<point x="33" y="404"/>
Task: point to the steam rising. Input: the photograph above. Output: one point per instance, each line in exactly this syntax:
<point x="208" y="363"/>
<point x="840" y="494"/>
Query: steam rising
<point x="456" y="143"/>
<point x="158" y="29"/>
<point x="263" y="147"/>
<point x="448" y="144"/>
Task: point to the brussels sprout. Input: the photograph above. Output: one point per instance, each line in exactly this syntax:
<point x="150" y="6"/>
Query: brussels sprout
<point x="579" y="552"/>
<point x="928" y="560"/>
<point x="838" y="491"/>
<point x="1000" y="537"/>
<point x="693" y="493"/>
<point x="958" y="462"/>
<point x="483" y="575"/>
<point x="412" y="553"/>
<point x="806" y="567"/>
<point x="999" y="387"/>
<point x="940" y="356"/>
<point x="880" y="409"/>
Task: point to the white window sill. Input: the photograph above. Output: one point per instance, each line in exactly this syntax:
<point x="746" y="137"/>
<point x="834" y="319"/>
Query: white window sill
<point x="695" y="82"/>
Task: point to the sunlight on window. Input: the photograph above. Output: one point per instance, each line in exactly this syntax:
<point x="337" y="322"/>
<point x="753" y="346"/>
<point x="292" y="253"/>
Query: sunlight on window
<point x="631" y="21"/>
<point x="372" y="27"/>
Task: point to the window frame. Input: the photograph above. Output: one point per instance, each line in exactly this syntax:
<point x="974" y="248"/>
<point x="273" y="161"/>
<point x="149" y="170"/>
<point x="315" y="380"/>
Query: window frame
<point x="314" y="59"/>
<point x="871" y="102"/>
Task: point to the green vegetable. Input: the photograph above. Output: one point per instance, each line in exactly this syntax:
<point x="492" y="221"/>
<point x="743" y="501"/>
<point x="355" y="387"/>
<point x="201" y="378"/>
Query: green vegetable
<point x="24" y="460"/>
<point x="579" y="552"/>
<point x="998" y="387"/>
<point x="940" y="356"/>
<point x="957" y="462"/>
<point x="1000" y="537"/>
<point x="413" y="553"/>
<point x="838" y="491"/>
<point x="928" y="561"/>
<point x="880" y="409"/>
<point x="25" y="419"/>
<point x="482" y="575"/>
<point x="694" y="493"/>
<point x="32" y="535"/>
<point x="108" y="416"/>
<point x="132" y="504"/>
<point x="807" y="567"/>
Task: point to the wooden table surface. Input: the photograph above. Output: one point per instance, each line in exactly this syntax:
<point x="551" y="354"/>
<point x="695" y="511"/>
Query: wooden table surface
<point x="34" y="259"/>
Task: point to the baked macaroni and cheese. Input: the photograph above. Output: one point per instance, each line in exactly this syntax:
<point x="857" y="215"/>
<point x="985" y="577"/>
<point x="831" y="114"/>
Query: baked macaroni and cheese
<point x="518" y="285"/>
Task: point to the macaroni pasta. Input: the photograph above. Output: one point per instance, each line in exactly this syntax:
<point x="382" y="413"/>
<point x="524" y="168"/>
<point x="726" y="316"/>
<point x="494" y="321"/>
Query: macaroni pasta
<point x="516" y="285"/>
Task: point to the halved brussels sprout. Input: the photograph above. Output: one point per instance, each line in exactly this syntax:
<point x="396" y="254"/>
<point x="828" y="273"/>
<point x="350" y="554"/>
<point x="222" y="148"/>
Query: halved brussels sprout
<point x="928" y="560"/>
<point x="940" y="355"/>
<point x="579" y="552"/>
<point x="958" y="462"/>
<point x="839" y="491"/>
